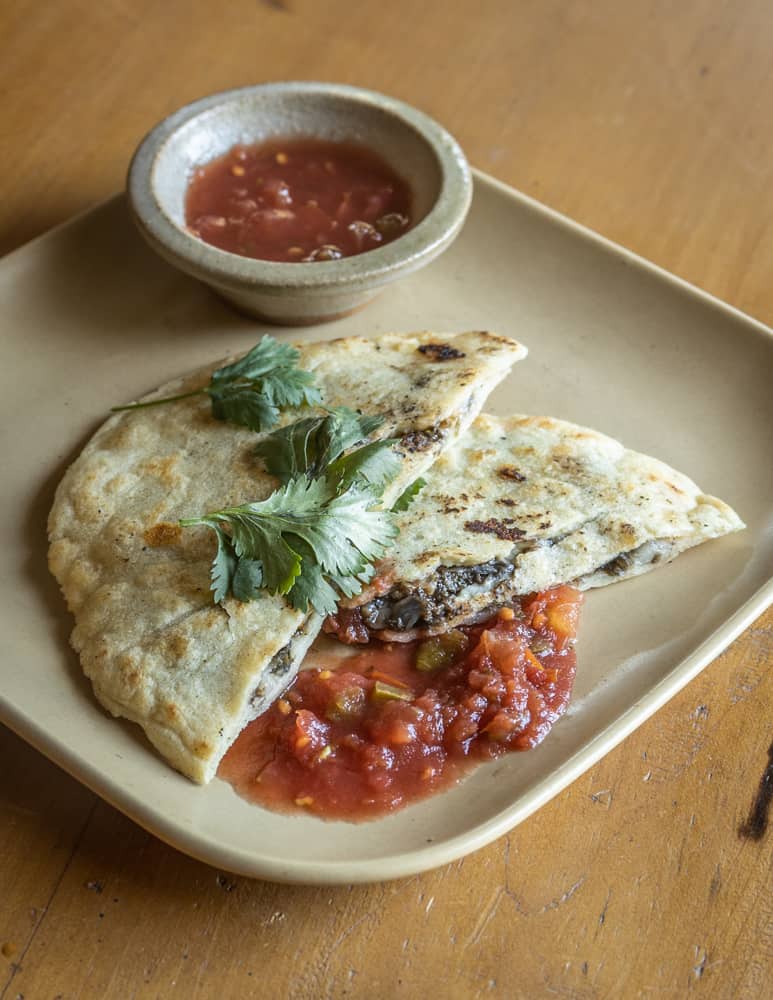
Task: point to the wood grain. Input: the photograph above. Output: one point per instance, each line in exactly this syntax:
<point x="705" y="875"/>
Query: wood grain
<point x="648" y="121"/>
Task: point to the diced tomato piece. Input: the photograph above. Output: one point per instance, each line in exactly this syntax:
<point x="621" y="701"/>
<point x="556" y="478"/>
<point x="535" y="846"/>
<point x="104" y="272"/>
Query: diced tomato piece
<point x="308" y="736"/>
<point x="347" y="626"/>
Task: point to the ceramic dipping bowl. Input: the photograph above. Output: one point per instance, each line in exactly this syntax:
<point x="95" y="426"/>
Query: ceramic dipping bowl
<point x="418" y="149"/>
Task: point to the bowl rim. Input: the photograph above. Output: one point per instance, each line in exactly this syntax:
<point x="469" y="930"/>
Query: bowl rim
<point x="374" y="267"/>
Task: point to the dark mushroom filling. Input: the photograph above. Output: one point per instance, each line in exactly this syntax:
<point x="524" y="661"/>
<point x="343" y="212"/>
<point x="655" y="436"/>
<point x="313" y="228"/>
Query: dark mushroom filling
<point x="403" y="609"/>
<point x="280" y="662"/>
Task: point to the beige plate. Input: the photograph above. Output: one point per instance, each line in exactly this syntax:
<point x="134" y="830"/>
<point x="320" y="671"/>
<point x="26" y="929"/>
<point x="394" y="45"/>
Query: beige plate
<point x="89" y="316"/>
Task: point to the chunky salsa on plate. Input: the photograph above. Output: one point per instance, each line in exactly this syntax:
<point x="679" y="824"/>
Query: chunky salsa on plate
<point x="396" y="722"/>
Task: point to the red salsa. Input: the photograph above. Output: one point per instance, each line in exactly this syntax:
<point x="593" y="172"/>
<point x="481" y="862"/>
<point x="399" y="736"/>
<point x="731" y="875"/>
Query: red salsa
<point x="297" y="200"/>
<point x="399" y="721"/>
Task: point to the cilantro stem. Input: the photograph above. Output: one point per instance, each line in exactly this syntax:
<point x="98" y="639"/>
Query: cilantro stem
<point x="204" y="391"/>
<point x="189" y="522"/>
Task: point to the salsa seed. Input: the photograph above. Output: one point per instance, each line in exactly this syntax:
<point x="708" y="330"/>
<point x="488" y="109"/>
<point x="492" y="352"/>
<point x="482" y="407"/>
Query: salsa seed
<point x="212" y="220"/>
<point x="391" y="224"/>
<point x="295" y="251"/>
<point x="237" y="170"/>
<point x="325" y="674"/>
<point x="326" y="252"/>
<point x="304" y="800"/>
<point x="281" y="158"/>
<point x="363" y="230"/>
<point x="506" y="614"/>
<point x="284" y="706"/>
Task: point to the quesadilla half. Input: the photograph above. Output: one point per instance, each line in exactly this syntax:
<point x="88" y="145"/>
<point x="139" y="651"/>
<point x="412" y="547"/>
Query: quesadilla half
<point x="156" y="648"/>
<point x="520" y="505"/>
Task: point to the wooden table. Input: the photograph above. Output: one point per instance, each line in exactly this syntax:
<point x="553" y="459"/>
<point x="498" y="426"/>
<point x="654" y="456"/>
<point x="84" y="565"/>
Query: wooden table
<point x="649" y="121"/>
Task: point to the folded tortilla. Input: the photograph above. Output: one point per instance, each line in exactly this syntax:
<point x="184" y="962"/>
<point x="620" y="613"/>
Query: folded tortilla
<point x="155" y="647"/>
<point x="519" y="505"/>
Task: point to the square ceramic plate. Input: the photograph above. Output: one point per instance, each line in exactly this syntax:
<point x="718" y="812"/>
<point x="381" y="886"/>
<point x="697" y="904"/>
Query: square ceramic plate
<point x="89" y="317"/>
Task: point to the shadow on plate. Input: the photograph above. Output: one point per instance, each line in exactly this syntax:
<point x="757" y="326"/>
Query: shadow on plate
<point x="102" y="279"/>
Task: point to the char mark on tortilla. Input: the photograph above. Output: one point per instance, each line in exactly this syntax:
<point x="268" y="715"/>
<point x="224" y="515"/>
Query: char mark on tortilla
<point x="504" y="528"/>
<point x="440" y="352"/>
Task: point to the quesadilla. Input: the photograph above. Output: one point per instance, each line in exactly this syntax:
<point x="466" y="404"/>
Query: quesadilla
<point x="520" y="505"/>
<point x="155" y="646"/>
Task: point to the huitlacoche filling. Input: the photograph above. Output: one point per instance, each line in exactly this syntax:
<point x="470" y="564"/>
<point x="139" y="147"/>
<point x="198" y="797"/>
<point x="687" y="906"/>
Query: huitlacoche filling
<point x="449" y="588"/>
<point x="404" y="608"/>
<point x="283" y="665"/>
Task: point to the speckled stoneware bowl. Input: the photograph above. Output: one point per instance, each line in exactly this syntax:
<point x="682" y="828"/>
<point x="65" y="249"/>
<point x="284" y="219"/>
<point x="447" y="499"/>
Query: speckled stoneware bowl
<point x="414" y="145"/>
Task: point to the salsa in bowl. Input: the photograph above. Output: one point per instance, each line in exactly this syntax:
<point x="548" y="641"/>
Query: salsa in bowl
<point x="416" y="151"/>
<point x="298" y="201"/>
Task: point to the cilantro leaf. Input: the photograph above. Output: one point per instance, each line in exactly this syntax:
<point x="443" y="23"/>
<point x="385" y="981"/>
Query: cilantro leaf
<point x="223" y="565"/>
<point x="292" y="388"/>
<point x="375" y="463"/>
<point x="240" y="404"/>
<point x="322" y="592"/>
<point x="315" y="447"/>
<point x="247" y="580"/>
<point x="408" y="495"/>
<point x="264" y="356"/>
<point x="368" y="530"/>
<point x="287" y="452"/>
<point x="253" y="390"/>
<point x="312" y="589"/>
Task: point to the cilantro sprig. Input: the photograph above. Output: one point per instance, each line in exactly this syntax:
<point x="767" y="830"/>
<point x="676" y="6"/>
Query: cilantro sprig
<point x="253" y="390"/>
<point x="304" y="541"/>
<point x="315" y="539"/>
